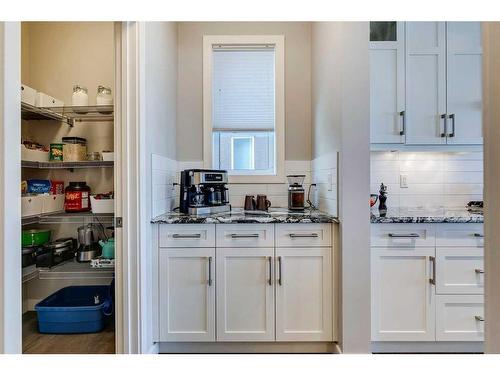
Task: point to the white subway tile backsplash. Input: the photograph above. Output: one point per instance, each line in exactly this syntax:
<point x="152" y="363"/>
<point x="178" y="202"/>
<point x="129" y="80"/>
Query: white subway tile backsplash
<point x="325" y="176"/>
<point x="434" y="178"/>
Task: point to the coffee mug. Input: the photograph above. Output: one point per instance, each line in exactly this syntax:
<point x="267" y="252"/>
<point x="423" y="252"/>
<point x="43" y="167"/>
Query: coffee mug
<point x="263" y="203"/>
<point x="250" y="203"/>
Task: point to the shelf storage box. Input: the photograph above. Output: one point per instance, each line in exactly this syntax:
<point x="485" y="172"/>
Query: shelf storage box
<point x="31" y="205"/>
<point x="34" y="155"/>
<point x="75" y="309"/>
<point x="52" y="203"/>
<point x="102" y="206"/>
<point x="28" y="95"/>
<point x="45" y="101"/>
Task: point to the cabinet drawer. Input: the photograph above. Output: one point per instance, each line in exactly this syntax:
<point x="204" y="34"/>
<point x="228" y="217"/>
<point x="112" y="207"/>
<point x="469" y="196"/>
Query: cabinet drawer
<point x="459" y="271"/>
<point x="300" y="235"/>
<point x="459" y="318"/>
<point x="460" y="235"/>
<point x="245" y="235"/>
<point x="187" y="235"/>
<point x="402" y="235"/>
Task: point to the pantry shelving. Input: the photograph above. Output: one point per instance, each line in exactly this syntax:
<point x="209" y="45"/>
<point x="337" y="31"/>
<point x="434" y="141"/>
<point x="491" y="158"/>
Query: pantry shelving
<point x="72" y="218"/>
<point x="72" y="269"/>
<point x="68" y="114"/>
<point x="66" y="165"/>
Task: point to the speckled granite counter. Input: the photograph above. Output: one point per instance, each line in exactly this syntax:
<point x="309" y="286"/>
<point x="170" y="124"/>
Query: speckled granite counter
<point x="434" y="215"/>
<point x="237" y="216"/>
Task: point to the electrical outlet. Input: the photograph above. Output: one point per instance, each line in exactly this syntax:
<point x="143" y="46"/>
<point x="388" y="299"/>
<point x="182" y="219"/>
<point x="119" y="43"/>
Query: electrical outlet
<point x="403" y="181"/>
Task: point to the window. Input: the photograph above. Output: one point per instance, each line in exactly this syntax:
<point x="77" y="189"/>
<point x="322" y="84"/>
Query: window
<point x="244" y="106"/>
<point x="383" y="31"/>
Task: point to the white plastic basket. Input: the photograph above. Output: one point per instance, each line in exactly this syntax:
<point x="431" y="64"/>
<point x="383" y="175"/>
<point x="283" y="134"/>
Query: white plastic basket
<point x="102" y="206"/>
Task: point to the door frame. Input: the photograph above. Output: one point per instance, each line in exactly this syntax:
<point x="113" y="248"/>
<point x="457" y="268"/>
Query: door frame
<point x="129" y="121"/>
<point x="10" y="175"/>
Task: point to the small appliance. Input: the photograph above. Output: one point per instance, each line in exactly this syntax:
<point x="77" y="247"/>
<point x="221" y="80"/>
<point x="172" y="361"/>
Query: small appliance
<point x="296" y="192"/>
<point x="203" y="191"/>
<point x="88" y="243"/>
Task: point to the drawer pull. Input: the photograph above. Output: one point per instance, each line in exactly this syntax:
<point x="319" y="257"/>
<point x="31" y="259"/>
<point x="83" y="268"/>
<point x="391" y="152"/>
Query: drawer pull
<point x="433" y="263"/>
<point x="480" y="235"/>
<point x="409" y="235"/>
<point x="270" y="270"/>
<point x="479" y="318"/>
<point x="478" y="270"/>
<point x="280" y="281"/>
<point x="235" y="235"/>
<point x="310" y="235"/>
<point x="195" y="235"/>
<point x="209" y="271"/>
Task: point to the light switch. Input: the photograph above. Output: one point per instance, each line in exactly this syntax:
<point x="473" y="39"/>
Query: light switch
<point x="403" y="181"/>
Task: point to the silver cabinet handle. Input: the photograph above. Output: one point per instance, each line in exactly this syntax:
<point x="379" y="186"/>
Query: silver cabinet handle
<point x="479" y="318"/>
<point x="310" y="235"/>
<point x="280" y="280"/>
<point x="209" y="271"/>
<point x="445" y="127"/>
<point x="235" y="235"/>
<point x="195" y="235"/>
<point x="409" y="235"/>
<point x="403" y="115"/>
<point x="478" y="271"/>
<point x="452" y="117"/>
<point x="432" y="280"/>
<point x="270" y="270"/>
<point x="479" y="235"/>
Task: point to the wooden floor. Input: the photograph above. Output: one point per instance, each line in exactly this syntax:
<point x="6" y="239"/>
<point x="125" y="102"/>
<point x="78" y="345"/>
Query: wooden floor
<point x="89" y="343"/>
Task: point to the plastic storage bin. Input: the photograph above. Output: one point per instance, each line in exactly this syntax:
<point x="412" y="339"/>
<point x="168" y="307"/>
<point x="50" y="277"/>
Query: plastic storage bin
<point x="75" y="309"/>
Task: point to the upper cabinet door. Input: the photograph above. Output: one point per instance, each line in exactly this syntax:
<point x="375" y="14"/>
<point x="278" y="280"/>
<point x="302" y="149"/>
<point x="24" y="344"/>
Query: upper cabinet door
<point x="425" y="83"/>
<point x="464" y="82"/>
<point x="387" y="82"/>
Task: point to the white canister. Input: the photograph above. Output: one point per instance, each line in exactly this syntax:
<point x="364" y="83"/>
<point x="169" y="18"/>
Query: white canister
<point x="104" y="96"/>
<point x="80" y="96"/>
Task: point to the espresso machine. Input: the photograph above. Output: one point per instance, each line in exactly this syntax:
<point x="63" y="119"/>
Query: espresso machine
<point x="203" y="191"/>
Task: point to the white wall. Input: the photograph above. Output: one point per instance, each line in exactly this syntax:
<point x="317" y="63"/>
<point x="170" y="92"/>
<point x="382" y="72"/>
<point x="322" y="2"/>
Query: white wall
<point x="491" y="94"/>
<point x="297" y="83"/>
<point x="161" y="116"/>
<point x="10" y="205"/>
<point x="340" y="92"/>
<point x="449" y="179"/>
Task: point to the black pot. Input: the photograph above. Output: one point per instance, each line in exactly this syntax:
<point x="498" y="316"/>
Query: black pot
<point x="28" y="256"/>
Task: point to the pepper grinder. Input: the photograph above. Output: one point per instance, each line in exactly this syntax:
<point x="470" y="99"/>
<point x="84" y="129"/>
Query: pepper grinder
<point x="382" y="197"/>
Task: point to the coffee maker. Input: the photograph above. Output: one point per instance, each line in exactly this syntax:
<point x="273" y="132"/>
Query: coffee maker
<point x="203" y="191"/>
<point x="296" y="193"/>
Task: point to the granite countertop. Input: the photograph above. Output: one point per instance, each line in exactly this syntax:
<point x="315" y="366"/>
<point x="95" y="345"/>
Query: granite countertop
<point x="426" y="215"/>
<point x="236" y="216"/>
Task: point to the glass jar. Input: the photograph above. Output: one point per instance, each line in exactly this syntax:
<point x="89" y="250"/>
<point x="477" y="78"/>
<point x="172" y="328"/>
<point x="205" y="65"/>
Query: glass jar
<point x="80" y="96"/>
<point x="104" y="96"/>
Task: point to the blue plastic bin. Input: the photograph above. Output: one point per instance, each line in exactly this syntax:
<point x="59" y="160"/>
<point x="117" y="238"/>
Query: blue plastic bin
<point x="75" y="309"/>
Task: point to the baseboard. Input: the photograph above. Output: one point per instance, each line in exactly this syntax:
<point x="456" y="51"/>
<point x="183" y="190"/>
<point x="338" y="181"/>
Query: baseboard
<point x="249" y="347"/>
<point x="428" y="347"/>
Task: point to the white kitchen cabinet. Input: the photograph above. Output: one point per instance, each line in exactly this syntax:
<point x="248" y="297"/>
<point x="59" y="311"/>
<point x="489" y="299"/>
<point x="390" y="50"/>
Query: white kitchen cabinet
<point x="459" y="318"/>
<point x="304" y="299"/>
<point x="425" y="82"/>
<point x="403" y="306"/>
<point x="187" y="294"/>
<point x="464" y="83"/>
<point x="387" y="87"/>
<point x="459" y="270"/>
<point x="438" y="98"/>
<point x="245" y="294"/>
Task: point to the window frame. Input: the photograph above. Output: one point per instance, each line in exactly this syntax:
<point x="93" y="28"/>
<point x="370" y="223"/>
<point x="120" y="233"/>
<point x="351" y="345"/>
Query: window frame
<point x="279" y="127"/>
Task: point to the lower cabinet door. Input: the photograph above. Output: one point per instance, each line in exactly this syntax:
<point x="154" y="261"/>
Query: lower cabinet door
<point x="304" y="294"/>
<point x="187" y="294"/>
<point x="245" y="294"/>
<point x="403" y="292"/>
<point x="460" y="318"/>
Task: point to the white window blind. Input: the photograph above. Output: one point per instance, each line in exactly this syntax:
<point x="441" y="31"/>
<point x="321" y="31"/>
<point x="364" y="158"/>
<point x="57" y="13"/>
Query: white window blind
<point x="243" y="88"/>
